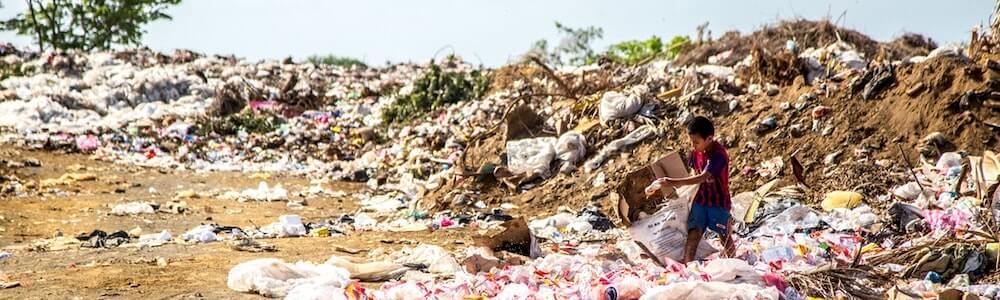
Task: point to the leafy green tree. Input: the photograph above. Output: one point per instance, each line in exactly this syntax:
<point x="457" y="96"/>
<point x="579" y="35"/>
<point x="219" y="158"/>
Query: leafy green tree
<point x="87" y="24"/>
<point x="574" y="48"/>
<point x="679" y="44"/>
<point x="635" y="51"/>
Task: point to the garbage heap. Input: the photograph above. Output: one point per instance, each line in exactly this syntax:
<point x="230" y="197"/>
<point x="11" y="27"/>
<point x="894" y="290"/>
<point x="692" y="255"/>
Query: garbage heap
<point x="821" y="122"/>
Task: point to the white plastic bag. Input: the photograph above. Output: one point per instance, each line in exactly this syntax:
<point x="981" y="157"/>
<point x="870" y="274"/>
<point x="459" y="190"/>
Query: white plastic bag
<point x="132" y="208"/>
<point x="570" y="147"/>
<point x="949" y="160"/>
<point x="841" y="219"/>
<point x="633" y="137"/>
<point x="154" y="239"/>
<point x="274" y="278"/>
<point x="732" y="270"/>
<point x="698" y="290"/>
<point x="201" y="234"/>
<point x="438" y="260"/>
<point x="788" y="221"/>
<point x="289" y="225"/>
<point x="531" y="156"/>
<point x="665" y="232"/>
<point x="615" y="105"/>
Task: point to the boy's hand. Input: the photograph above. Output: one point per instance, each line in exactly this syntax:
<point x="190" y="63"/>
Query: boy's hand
<point x="656" y="186"/>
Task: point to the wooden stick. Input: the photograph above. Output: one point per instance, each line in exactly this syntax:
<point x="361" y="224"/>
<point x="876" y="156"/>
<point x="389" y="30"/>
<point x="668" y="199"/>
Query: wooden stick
<point x="548" y="71"/>
<point x="907" y="161"/>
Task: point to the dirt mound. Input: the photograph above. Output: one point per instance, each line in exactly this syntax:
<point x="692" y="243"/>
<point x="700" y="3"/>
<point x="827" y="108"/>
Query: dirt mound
<point x="948" y="95"/>
<point x="806" y="34"/>
<point x="911" y="44"/>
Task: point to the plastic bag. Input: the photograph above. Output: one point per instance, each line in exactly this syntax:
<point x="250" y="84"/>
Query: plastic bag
<point x="665" y="232"/>
<point x="633" y="137"/>
<point x="436" y="259"/>
<point x="615" y="105"/>
<point x="87" y="143"/>
<point x="289" y="225"/>
<point x="132" y="208"/>
<point x="732" y="271"/>
<point x="264" y="193"/>
<point x="273" y="277"/>
<point x="841" y="199"/>
<point x="848" y="219"/>
<point x="154" y="239"/>
<point x="531" y="156"/>
<point x="711" y="291"/>
<point x="949" y="160"/>
<point x="570" y="149"/>
<point x="908" y="191"/>
<point x="792" y="218"/>
<point x="326" y="290"/>
<point x="201" y="234"/>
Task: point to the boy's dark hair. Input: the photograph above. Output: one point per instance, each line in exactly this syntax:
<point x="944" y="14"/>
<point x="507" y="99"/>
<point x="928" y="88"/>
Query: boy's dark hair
<point x="701" y="126"/>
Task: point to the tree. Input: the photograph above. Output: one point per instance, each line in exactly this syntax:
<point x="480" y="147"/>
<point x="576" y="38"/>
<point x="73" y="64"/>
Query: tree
<point x="634" y="51"/>
<point x="87" y="24"/>
<point x="574" y="48"/>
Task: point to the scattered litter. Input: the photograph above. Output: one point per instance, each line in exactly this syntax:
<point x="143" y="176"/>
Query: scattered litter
<point x="133" y="208"/>
<point x="274" y="278"/>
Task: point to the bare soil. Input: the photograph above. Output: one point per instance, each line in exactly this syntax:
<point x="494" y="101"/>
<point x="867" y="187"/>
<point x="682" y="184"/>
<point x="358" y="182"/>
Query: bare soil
<point x="192" y="271"/>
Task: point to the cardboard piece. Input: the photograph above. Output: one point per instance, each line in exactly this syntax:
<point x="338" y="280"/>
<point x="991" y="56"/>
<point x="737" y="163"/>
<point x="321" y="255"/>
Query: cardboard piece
<point x="515" y="237"/>
<point x="630" y="192"/>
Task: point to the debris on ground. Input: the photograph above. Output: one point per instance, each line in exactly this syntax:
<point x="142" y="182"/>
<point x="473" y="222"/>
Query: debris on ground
<point x="859" y="169"/>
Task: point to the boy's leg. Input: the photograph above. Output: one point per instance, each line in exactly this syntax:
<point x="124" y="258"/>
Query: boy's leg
<point x="691" y="246"/>
<point x="719" y="220"/>
<point x="697" y="221"/>
<point x="728" y="245"/>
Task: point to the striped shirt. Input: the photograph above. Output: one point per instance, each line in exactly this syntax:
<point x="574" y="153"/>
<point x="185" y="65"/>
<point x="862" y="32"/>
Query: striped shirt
<point x="714" y="191"/>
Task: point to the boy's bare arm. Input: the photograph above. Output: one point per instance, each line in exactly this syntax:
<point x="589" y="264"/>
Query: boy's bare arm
<point x="696" y="179"/>
<point x="668" y="181"/>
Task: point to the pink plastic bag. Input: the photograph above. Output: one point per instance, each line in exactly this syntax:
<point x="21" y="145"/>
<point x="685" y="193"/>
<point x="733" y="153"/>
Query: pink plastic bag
<point x="87" y="143"/>
<point x="939" y="220"/>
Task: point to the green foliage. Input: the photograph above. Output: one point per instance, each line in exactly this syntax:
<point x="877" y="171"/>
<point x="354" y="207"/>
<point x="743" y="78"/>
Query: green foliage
<point x="434" y="90"/>
<point x="87" y="24"/>
<point x="679" y="44"/>
<point x="635" y="51"/>
<point x="14" y="70"/>
<point x="335" y="61"/>
<point x="247" y="121"/>
<point x="574" y="48"/>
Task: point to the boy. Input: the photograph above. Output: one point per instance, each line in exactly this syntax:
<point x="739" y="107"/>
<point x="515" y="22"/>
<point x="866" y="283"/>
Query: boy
<point x="710" y="163"/>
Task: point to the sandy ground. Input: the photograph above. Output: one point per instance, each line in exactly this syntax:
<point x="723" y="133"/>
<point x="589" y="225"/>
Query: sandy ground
<point x="191" y="271"/>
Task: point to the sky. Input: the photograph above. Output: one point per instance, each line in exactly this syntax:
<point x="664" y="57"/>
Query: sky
<point x="495" y="32"/>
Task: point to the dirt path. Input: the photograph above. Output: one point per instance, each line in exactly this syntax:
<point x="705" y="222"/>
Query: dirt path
<point x="191" y="271"/>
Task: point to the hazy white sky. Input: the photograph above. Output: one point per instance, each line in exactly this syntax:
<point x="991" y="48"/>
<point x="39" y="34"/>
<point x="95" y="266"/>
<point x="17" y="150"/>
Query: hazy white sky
<point x="492" y="32"/>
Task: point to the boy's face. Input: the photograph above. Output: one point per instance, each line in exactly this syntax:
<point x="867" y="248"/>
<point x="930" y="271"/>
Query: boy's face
<point x="699" y="143"/>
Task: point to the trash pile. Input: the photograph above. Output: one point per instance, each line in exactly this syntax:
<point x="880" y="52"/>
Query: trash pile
<point x="820" y="123"/>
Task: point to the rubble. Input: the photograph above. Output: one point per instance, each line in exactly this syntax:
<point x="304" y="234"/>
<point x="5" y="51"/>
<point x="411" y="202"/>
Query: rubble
<point x="545" y="156"/>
